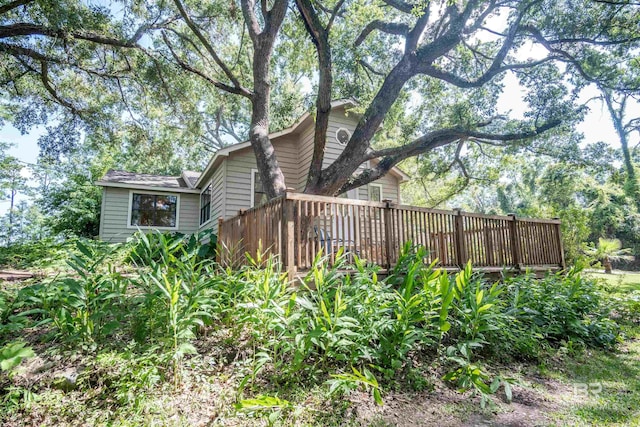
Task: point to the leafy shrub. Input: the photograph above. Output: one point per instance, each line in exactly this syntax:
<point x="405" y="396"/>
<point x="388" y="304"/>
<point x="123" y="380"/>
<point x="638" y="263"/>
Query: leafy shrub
<point x="40" y="254"/>
<point x="348" y="330"/>
<point x="557" y="308"/>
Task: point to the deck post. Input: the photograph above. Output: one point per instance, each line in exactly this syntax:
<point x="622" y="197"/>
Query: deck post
<point x="515" y="242"/>
<point x="388" y="232"/>
<point x="563" y="263"/>
<point x="219" y="245"/>
<point x="458" y="235"/>
<point x="288" y="237"/>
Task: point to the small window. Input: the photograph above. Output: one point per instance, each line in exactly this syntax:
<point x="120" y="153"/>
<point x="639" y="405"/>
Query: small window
<point x="258" y="195"/>
<point x="205" y="205"/>
<point x="153" y="210"/>
<point x="343" y="136"/>
<point x="375" y="192"/>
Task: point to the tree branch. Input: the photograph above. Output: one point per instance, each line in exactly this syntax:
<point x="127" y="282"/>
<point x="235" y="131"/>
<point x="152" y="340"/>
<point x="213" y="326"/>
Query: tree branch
<point x="399" y="5"/>
<point x="44" y="77"/>
<point x="320" y="38"/>
<point x="12" y="5"/>
<point x="205" y="42"/>
<point x="185" y="66"/>
<point x="395" y="28"/>
<point x="390" y="157"/>
<point x="28" y="29"/>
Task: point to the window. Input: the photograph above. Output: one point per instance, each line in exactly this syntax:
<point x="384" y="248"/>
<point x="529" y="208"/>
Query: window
<point x="154" y="210"/>
<point x="258" y="195"/>
<point x="205" y="205"/>
<point x="351" y="194"/>
<point x="375" y="192"/>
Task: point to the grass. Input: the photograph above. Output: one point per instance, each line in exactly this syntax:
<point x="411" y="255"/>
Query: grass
<point x="603" y="388"/>
<point x="606" y="385"/>
<point x="622" y="281"/>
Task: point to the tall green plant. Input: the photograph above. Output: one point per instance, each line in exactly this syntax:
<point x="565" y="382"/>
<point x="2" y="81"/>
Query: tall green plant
<point x="176" y="290"/>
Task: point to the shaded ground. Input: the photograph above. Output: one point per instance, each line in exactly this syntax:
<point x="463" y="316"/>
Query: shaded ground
<point x="573" y="387"/>
<point x="547" y="394"/>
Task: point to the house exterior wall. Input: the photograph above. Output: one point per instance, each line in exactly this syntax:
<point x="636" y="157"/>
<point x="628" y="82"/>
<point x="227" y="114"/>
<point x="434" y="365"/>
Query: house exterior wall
<point x="218" y="199"/>
<point x="115" y="214"/>
<point x="294" y="152"/>
<point x="239" y="165"/>
<point x="232" y="182"/>
<point x="339" y="119"/>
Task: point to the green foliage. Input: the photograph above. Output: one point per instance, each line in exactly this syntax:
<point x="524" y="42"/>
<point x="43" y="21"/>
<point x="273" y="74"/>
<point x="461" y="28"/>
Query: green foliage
<point x="558" y="309"/>
<point x="341" y="331"/>
<point x="175" y="283"/>
<point x="12" y="354"/>
<point x="42" y="254"/>
<point x="608" y="250"/>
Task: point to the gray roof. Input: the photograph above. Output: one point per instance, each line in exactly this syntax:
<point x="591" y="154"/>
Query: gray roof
<point x="192" y="177"/>
<point x="124" y="177"/>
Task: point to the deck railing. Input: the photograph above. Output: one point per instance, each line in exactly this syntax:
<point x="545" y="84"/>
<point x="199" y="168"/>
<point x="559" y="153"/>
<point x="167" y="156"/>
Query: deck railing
<point x="295" y="227"/>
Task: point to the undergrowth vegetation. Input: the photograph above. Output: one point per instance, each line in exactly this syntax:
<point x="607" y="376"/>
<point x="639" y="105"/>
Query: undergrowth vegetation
<point x="139" y="326"/>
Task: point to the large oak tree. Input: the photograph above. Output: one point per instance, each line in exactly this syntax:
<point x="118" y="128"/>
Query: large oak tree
<point x="429" y="73"/>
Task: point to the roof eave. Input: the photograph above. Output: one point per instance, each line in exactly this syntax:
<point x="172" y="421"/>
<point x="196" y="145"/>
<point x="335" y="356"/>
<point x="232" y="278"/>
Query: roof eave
<point x="146" y="187"/>
<point x="291" y="129"/>
<point x="205" y="173"/>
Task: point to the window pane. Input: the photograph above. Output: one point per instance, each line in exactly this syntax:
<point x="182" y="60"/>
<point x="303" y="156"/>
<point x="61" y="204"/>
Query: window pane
<point x="146" y="218"/>
<point x="135" y="217"/>
<point x="151" y="210"/>
<point x="146" y="201"/>
<point x="374" y="193"/>
<point x="205" y="205"/>
<point x="164" y="219"/>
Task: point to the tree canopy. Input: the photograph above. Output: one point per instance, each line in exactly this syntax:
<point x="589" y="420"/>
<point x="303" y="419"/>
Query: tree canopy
<point x="226" y="71"/>
<point x="157" y="86"/>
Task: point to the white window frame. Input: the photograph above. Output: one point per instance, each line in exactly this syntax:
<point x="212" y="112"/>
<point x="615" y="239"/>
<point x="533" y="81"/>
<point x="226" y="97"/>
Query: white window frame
<point x="371" y="185"/>
<point x="210" y="183"/>
<point x="151" y="227"/>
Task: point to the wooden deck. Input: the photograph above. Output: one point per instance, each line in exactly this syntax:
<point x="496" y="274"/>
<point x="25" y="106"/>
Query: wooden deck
<point x="295" y="227"/>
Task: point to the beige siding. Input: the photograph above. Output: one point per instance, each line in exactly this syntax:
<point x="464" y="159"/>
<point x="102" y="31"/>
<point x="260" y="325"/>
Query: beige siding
<point x="305" y="155"/>
<point x="115" y="213"/>
<point x="390" y="187"/>
<point x="339" y="119"/>
<point x="238" y="181"/>
<point x="238" y="173"/>
<point x="217" y="196"/>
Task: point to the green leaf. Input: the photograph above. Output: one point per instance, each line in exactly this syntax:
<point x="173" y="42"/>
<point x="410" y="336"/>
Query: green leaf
<point x="377" y="396"/>
<point x="479" y="296"/>
<point x="507" y="391"/>
<point x="445" y="327"/>
<point x="12" y="355"/>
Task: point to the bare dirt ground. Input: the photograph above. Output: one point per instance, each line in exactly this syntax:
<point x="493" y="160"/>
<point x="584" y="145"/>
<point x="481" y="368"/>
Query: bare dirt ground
<point x="444" y="407"/>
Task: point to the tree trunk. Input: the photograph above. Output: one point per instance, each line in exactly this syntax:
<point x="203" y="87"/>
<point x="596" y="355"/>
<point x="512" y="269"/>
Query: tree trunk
<point x="263" y="41"/>
<point x="354" y="154"/>
<point x="13" y="197"/>
<point x="270" y="173"/>
<point x="617" y="117"/>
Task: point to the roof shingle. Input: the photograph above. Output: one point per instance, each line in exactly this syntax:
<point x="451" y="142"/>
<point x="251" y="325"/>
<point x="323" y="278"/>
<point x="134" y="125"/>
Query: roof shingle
<point x="124" y="177"/>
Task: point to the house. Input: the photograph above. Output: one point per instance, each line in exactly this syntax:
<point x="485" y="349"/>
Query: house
<point x="230" y="182"/>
